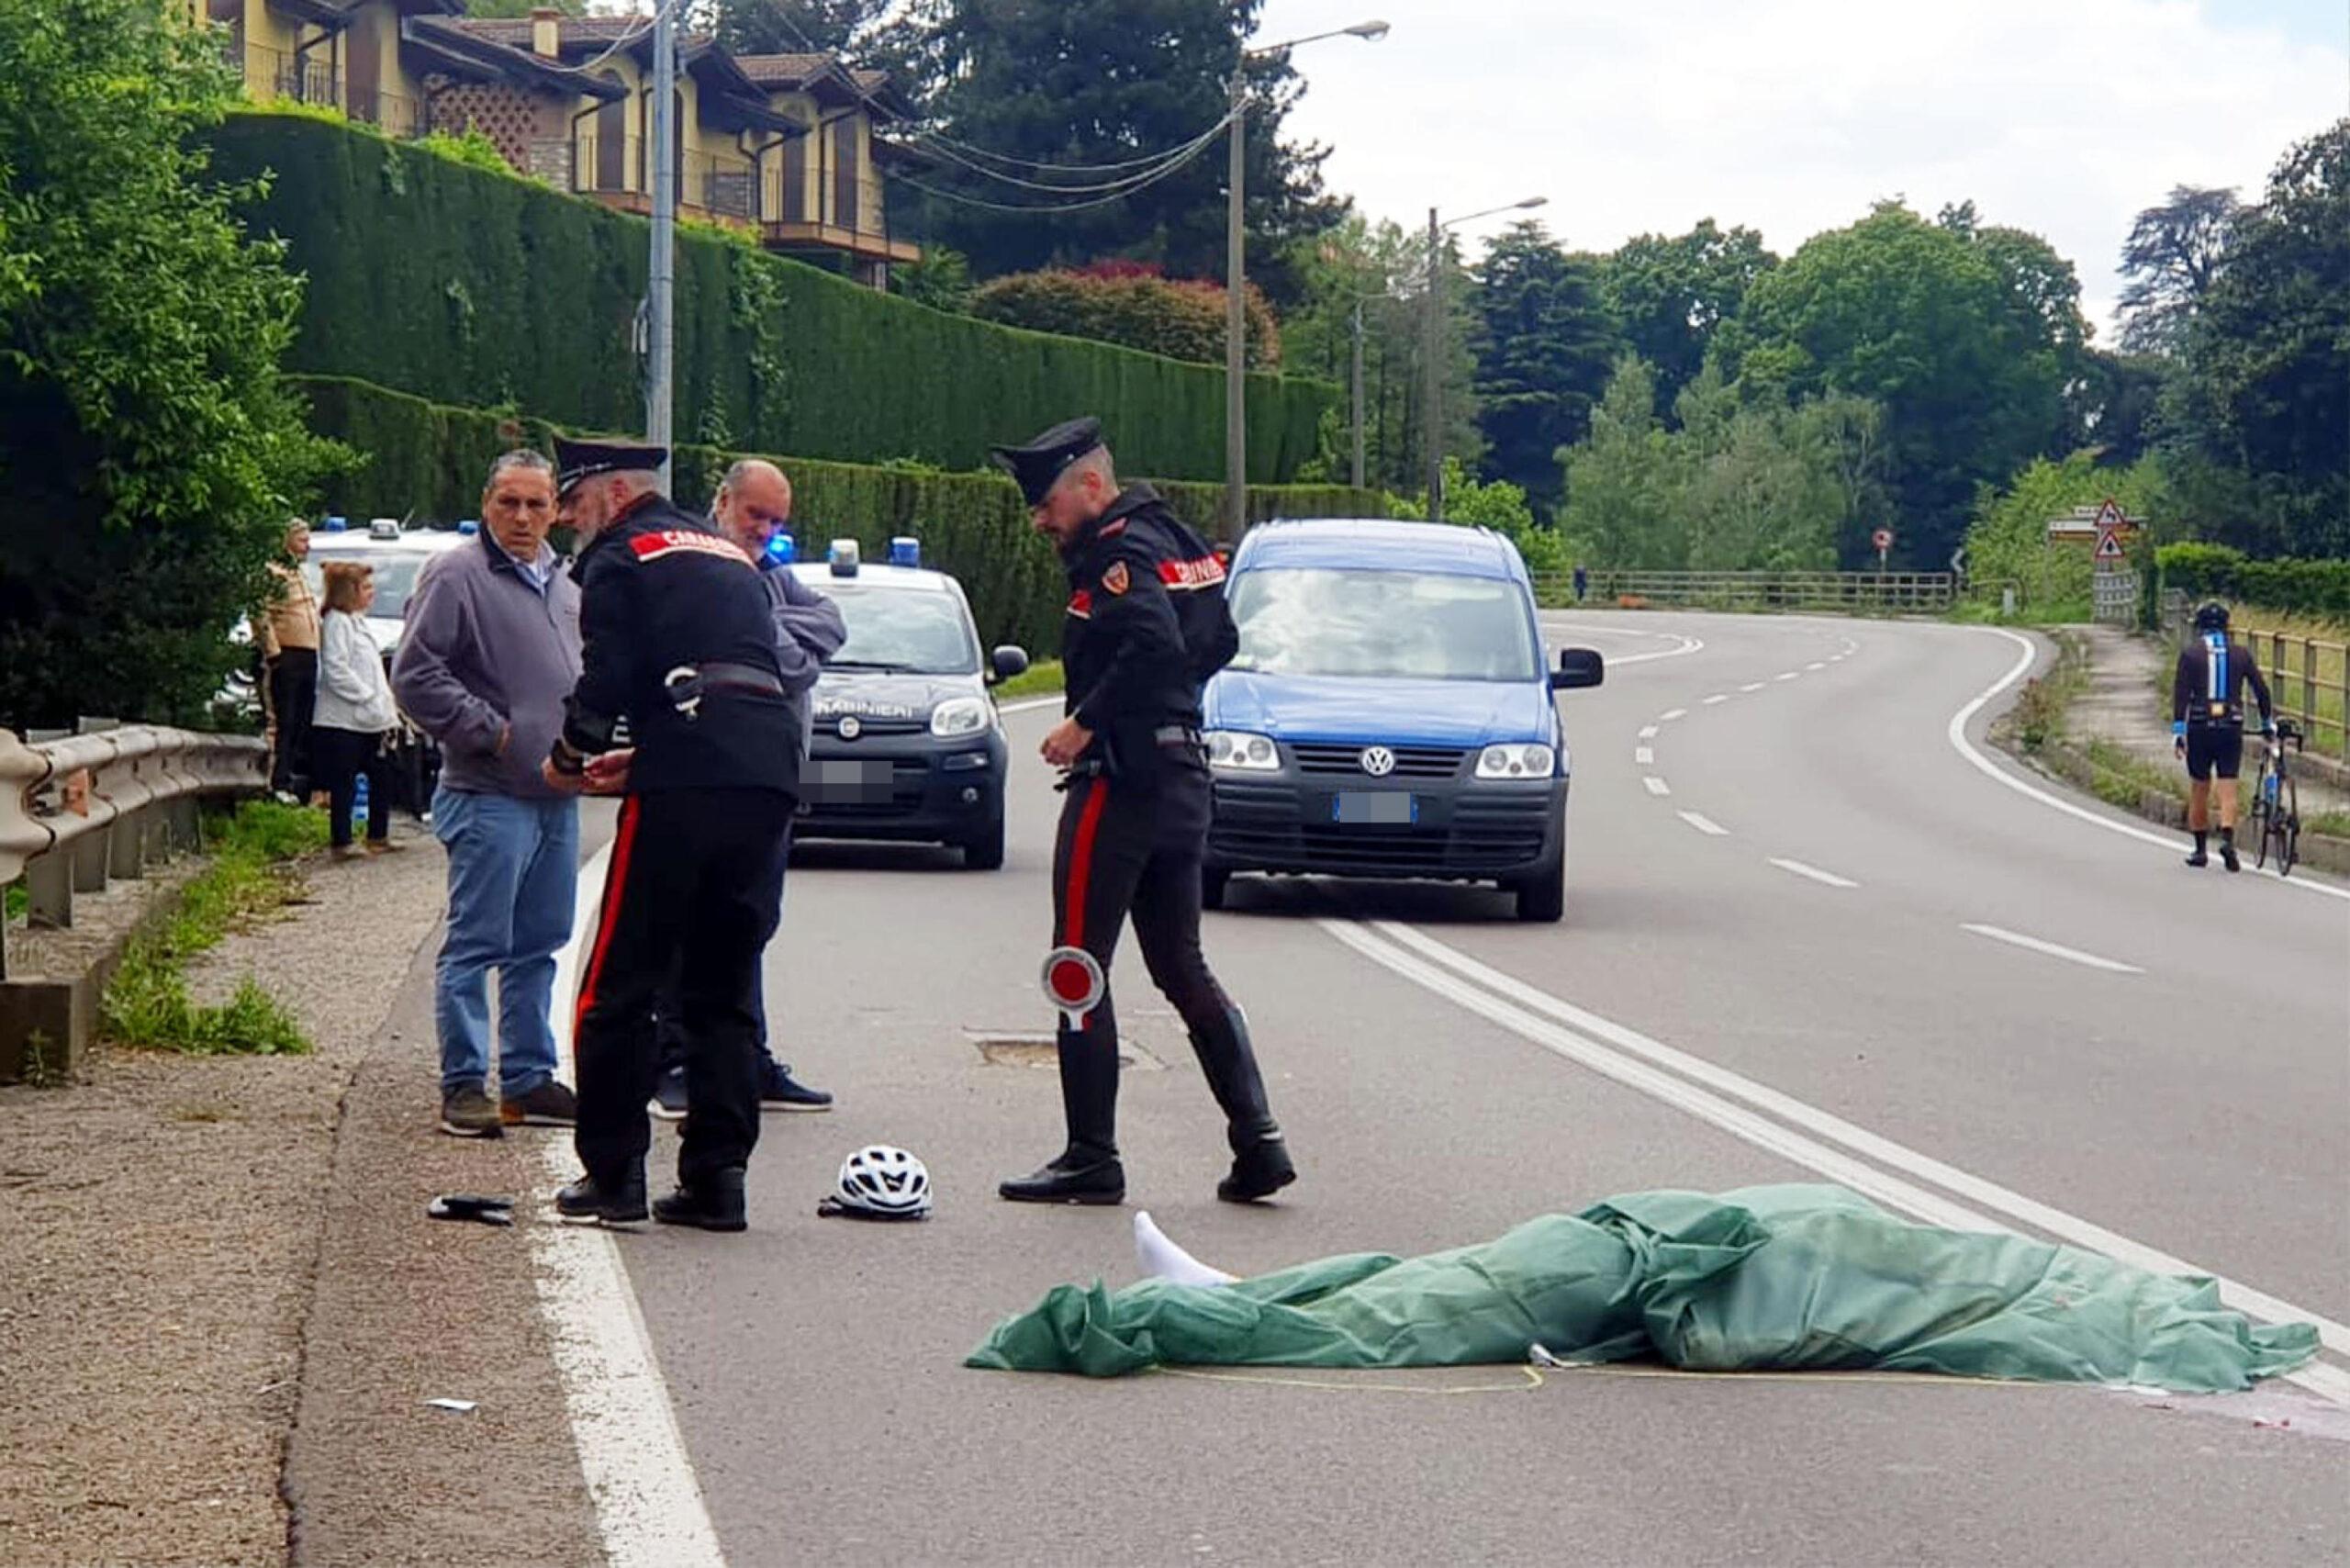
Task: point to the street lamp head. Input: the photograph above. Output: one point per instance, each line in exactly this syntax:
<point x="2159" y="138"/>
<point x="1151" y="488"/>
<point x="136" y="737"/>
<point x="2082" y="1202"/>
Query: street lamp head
<point x="1531" y="202"/>
<point x="1370" y="32"/>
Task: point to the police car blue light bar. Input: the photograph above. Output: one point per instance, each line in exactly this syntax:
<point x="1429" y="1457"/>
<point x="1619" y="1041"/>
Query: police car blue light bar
<point x="905" y="550"/>
<point x="337" y="524"/>
<point x="469" y="527"/>
<point x="843" y="557"/>
<point x="782" y="546"/>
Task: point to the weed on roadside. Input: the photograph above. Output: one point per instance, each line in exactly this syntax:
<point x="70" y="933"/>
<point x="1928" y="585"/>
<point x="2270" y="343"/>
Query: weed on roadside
<point x="42" y="1065"/>
<point x="147" y="1007"/>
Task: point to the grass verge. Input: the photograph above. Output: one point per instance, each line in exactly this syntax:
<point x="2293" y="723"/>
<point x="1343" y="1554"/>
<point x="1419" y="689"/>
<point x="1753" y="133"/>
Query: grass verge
<point x="1038" y="679"/>
<point x="147" y="1006"/>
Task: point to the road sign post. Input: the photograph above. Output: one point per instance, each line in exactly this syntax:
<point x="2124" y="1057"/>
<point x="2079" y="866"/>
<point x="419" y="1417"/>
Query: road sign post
<point x="1883" y="540"/>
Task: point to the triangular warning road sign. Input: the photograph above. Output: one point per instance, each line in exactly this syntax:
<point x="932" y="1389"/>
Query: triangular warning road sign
<point x="2109" y="545"/>
<point x="2109" y="516"/>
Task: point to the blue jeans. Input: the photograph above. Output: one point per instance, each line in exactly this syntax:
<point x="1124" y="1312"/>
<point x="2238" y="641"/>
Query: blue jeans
<point x="513" y="882"/>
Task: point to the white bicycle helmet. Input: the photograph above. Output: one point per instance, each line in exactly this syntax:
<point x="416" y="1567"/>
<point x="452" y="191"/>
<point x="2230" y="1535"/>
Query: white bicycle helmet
<point x="878" y="1181"/>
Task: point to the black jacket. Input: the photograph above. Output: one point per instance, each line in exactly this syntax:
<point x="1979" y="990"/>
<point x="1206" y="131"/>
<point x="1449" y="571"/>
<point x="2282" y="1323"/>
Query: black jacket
<point x="1147" y="624"/>
<point x="660" y="590"/>
<point x="2208" y="688"/>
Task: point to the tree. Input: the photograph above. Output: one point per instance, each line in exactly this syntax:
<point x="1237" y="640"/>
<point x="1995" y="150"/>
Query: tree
<point x="1925" y="321"/>
<point x="1546" y="344"/>
<point x="2172" y="258"/>
<point x="1622" y="506"/>
<point x="940" y="278"/>
<point x="1020" y="87"/>
<point x="151" y="450"/>
<point x="1670" y="294"/>
<point x="794" y="27"/>
<point x="2263" y="409"/>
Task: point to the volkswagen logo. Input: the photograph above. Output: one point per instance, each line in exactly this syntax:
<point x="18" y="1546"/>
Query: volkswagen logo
<point x="850" y="728"/>
<point x="1377" y="761"/>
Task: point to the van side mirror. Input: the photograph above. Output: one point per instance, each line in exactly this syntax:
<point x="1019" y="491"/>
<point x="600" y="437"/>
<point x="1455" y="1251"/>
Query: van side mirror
<point x="1578" y="668"/>
<point x="1006" y="662"/>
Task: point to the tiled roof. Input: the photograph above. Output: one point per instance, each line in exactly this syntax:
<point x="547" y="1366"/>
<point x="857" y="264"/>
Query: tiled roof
<point x="783" y="69"/>
<point x="516" y="34"/>
<point x="869" y="81"/>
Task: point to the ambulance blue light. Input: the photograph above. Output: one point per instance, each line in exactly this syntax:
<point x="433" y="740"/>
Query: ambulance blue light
<point x="905" y="550"/>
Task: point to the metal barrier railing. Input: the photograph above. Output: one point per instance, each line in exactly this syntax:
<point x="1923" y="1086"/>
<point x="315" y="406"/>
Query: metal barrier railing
<point x="1850" y="592"/>
<point x="78" y="812"/>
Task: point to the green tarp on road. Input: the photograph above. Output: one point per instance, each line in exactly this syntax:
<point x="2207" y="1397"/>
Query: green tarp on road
<point x="1803" y="1277"/>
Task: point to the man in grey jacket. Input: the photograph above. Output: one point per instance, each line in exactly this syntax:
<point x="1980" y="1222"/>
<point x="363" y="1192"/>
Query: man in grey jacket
<point x="753" y="503"/>
<point x="490" y="651"/>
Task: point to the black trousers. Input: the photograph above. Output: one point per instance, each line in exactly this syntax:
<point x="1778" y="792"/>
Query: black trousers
<point x="1126" y="851"/>
<point x="338" y="758"/>
<point x="669" y="1028"/>
<point x="293" y="693"/>
<point x="692" y="889"/>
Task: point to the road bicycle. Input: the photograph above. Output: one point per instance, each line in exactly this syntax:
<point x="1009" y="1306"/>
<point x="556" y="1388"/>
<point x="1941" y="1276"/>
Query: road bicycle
<point x="2276" y="804"/>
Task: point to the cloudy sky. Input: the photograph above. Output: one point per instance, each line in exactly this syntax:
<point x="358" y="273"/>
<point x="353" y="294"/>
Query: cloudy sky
<point x="2062" y="117"/>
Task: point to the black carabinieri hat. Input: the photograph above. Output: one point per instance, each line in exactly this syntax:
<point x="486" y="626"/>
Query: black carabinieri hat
<point x="578" y="460"/>
<point x="1036" y="465"/>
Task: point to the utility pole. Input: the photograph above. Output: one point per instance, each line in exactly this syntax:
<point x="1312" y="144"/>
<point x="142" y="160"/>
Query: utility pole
<point x="1431" y="413"/>
<point x="1357" y="393"/>
<point x="1235" y="323"/>
<point x="661" y="273"/>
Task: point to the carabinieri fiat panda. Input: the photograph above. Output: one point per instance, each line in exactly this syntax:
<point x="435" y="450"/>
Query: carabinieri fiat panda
<point x="1388" y="713"/>
<point x="907" y="743"/>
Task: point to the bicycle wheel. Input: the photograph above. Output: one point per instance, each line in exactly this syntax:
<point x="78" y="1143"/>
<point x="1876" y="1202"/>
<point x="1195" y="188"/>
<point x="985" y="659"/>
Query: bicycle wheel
<point x="2264" y="821"/>
<point x="2288" y="826"/>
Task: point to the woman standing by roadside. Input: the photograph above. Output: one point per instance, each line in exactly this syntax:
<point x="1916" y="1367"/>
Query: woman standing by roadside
<point x="355" y="713"/>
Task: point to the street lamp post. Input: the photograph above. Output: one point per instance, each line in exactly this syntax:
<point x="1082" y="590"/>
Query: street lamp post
<point x="1432" y="398"/>
<point x="1355" y="394"/>
<point x="661" y="271"/>
<point x="1236" y="318"/>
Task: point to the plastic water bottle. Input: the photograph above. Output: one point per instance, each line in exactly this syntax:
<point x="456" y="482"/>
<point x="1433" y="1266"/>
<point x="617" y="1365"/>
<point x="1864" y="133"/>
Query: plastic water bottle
<point x="359" y="811"/>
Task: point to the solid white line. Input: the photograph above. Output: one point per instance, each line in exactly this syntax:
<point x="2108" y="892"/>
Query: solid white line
<point x="1648" y="731"/>
<point x="1644" y="756"/>
<point x="649" y="1506"/>
<point x="1478" y="987"/>
<point x="1956" y="732"/>
<point x="2053" y="949"/>
<point x="1814" y="872"/>
<point x="1687" y="644"/>
<point x="1657" y="785"/>
<point x="1675" y="713"/>
<point x="1704" y="824"/>
<point x="1716" y="696"/>
<point x="1752" y="685"/>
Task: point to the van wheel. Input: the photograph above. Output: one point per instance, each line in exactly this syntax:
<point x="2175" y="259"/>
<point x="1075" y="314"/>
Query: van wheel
<point x="1543" y="896"/>
<point x="1213" y="881"/>
<point x="985" y="853"/>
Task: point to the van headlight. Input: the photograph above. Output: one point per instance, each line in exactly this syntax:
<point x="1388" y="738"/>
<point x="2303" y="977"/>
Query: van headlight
<point x="1516" y="762"/>
<point x="961" y="716"/>
<point x="1242" y="752"/>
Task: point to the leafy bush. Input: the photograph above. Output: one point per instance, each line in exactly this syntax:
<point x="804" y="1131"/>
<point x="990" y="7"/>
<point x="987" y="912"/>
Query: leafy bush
<point x="482" y="290"/>
<point x="1129" y="303"/>
<point x="2008" y="540"/>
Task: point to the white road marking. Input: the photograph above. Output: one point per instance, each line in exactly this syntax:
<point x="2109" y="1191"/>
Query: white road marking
<point x="649" y="1506"/>
<point x="1716" y="696"/>
<point x="1752" y="685"/>
<point x="1686" y="645"/>
<point x="2053" y="949"/>
<point x="1648" y="731"/>
<point x="1704" y="824"/>
<point x="1025" y="703"/>
<point x="1676" y="713"/>
<point x="1644" y="756"/>
<point x="1956" y="732"/>
<point x="1530" y="1014"/>
<point x="1657" y="785"/>
<point x="1822" y="665"/>
<point x="1814" y="872"/>
<point x="1787" y="675"/>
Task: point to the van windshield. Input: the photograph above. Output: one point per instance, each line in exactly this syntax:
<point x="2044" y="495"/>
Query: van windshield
<point x="1396" y="625"/>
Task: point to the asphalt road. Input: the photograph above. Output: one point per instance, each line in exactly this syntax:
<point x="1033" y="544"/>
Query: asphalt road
<point x="1719" y="1008"/>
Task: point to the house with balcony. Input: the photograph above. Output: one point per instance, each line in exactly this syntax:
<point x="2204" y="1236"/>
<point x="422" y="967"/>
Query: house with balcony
<point x="780" y="146"/>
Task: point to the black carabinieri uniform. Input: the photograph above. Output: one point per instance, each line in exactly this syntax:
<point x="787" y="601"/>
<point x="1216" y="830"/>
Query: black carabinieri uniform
<point x="1146" y="625"/>
<point x="678" y="639"/>
<point x="2207" y="697"/>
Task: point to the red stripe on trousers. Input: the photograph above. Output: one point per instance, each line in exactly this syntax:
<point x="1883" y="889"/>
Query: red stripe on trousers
<point x="623" y="849"/>
<point x="1081" y="863"/>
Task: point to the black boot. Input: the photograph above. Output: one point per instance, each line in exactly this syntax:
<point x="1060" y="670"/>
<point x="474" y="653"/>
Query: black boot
<point x="1260" y="1162"/>
<point x="2199" y="858"/>
<point x="591" y="1201"/>
<point x="2228" y="849"/>
<point x="1087" y="1171"/>
<point x="711" y="1202"/>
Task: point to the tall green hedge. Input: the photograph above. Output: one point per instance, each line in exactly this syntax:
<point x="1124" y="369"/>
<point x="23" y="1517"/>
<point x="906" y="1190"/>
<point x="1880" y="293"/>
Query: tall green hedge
<point x="2301" y="587"/>
<point x="476" y="288"/>
<point x="427" y="461"/>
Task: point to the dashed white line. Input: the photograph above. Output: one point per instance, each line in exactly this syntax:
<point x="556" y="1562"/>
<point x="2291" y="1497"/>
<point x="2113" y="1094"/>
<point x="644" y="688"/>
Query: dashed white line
<point x="1822" y="665"/>
<point x="1716" y="696"/>
<point x="1644" y="756"/>
<point x="1829" y="879"/>
<point x="1648" y="731"/>
<point x="1676" y="713"/>
<point x="1657" y="785"/>
<point x="2053" y="949"/>
<point x="1787" y="675"/>
<point x="1752" y="685"/>
<point x="1704" y="824"/>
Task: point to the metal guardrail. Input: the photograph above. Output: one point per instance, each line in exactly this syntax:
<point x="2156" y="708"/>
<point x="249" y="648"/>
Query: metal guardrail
<point x="1846" y="592"/>
<point x="78" y="812"/>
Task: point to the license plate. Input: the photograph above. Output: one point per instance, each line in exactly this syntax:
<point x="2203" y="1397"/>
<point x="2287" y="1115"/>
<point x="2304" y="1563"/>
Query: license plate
<point x="833" y="780"/>
<point x="1390" y="807"/>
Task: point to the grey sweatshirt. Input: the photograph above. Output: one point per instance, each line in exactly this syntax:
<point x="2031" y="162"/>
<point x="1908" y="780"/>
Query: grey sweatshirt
<point x="808" y="631"/>
<point x="484" y="663"/>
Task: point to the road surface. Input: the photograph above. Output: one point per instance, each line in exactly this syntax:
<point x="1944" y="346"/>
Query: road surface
<point x="1813" y="932"/>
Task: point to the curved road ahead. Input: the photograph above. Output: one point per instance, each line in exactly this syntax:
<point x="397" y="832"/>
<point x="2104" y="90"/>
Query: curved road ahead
<point x="1813" y="932"/>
